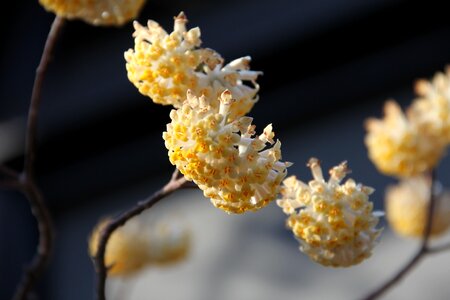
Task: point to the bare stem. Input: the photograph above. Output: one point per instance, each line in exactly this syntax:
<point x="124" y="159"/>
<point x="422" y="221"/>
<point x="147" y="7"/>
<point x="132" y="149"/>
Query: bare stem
<point x="174" y="184"/>
<point x="33" y="112"/>
<point x="438" y="249"/>
<point x="44" y="249"/>
<point x="26" y="182"/>
<point x="423" y="250"/>
<point x="7" y="172"/>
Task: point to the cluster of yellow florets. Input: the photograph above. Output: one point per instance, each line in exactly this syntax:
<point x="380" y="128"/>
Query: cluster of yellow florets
<point x="407" y="208"/>
<point x="409" y="146"/>
<point x="162" y="66"/>
<point x="165" y="66"/>
<point x="333" y="222"/>
<point x="105" y="12"/>
<point x="237" y="170"/>
<point x="398" y="147"/>
<point x="432" y="108"/>
<point x="135" y="246"/>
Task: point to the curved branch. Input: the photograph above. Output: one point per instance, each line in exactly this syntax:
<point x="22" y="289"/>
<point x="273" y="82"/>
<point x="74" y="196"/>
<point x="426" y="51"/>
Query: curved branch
<point x="26" y="182"/>
<point x="423" y="250"/>
<point x="174" y="184"/>
<point x="438" y="249"/>
<point x="44" y="249"/>
<point x="33" y="111"/>
<point x="7" y="172"/>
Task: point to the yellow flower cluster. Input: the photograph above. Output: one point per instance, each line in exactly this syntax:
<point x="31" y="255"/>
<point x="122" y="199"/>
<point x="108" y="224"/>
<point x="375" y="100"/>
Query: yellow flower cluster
<point x="95" y="12"/>
<point x="333" y="222"/>
<point x="235" y="168"/>
<point x="397" y="145"/>
<point x="134" y="246"/>
<point x="432" y="108"/>
<point x="164" y="66"/>
<point x="407" y="208"/>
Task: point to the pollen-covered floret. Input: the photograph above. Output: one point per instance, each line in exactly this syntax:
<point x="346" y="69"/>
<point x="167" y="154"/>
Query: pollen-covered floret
<point x="432" y="108"/>
<point x="234" y="167"/>
<point x="407" y="208"/>
<point x="136" y="246"/>
<point x="398" y="147"/>
<point x="333" y="222"/>
<point x="105" y="12"/>
<point x="164" y="66"/>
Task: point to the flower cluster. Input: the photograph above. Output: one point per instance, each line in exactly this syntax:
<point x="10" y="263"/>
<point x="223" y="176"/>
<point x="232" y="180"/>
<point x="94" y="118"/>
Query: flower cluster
<point x="398" y="147"/>
<point x="165" y="66"/>
<point x="333" y="222"/>
<point x="235" y="168"/>
<point x="213" y="143"/>
<point x="106" y="12"/>
<point x="432" y="107"/>
<point x="136" y="246"/>
<point x="407" y="208"/>
<point x="410" y="145"/>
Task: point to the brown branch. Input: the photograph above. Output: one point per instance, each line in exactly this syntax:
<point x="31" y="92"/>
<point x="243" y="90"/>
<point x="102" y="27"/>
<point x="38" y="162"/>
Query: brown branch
<point x="26" y="180"/>
<point x="33" y="112"/>
<point x="174" y="184"/>
<point x="44" y="249"/>
<point x="423" y="250"/>
<point x="12" y="184"/>
<point x="7" y="172"/>
<point x="438" y="249"/>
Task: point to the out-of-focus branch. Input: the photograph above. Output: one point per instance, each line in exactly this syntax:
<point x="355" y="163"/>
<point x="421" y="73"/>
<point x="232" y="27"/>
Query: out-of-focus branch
<point x="438" y="249"/>
<point x="174" y="184"/>
<point x="44" y="249"/>
<point x="26" y="182"/>
<point x="7" y="172"/>
<point x="36" y="96"/>
<point x="423" y="250"/>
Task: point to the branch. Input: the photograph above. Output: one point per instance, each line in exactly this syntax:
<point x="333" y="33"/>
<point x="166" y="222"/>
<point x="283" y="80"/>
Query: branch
<point x="44" y="249"/>
<point x="174" y="184"/>
<point x="10" y="184"/>
<point x="7" y="172"/>
<point x="33" y="111"/>
<point x="423" y="250"/>
<point x="438" y="249"/>
<point x="26" y="181"/>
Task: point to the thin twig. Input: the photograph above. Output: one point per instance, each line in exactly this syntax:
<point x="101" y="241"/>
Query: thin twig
<point x="12" y="184"/>
<point x="26" y="179"/>
<point x="44" y="249"/>
<point x="7" y="172"/>
<point x="438" y="249"/>
<point x="174" y="184"/>
<point x="33" y="112"/>
<point x="423" y="250"/>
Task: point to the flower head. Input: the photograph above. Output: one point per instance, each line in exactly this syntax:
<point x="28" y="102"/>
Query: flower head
<point x="237" y="169"/>
<point x="126" y="251"/>
<point x="100" y="12"/>
<point x="407" y="208"/>
<point x="169" y="242"/>
<point x="333" y="222"/>
<point x="398" y="147"/>
<point x="432" y="109"/>
<point x="164" y="66"/>
<point x="136" y="246"/>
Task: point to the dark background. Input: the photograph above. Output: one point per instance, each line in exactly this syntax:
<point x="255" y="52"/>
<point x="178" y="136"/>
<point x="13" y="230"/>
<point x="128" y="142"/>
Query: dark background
<point x="98" y="136"/>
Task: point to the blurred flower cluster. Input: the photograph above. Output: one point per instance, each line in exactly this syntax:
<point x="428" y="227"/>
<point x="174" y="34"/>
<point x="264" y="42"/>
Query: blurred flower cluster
<point x="138" y="245"/>
<point x="103" y="13"/>
<point x="409" y="146"/>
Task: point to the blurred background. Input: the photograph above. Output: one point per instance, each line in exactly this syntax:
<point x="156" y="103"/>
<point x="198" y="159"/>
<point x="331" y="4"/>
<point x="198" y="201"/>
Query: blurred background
<point x="328" y="65"/>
